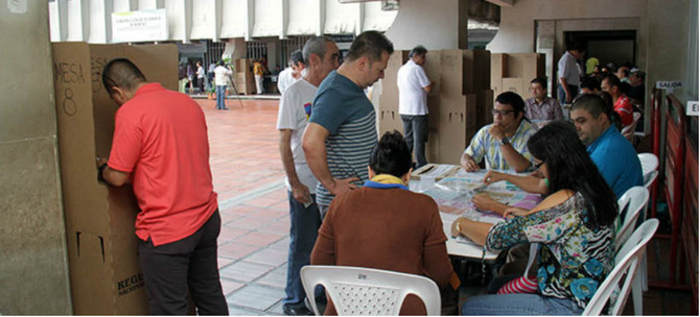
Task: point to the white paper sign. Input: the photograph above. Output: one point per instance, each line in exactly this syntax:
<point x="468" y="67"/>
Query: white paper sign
<point x="139" y="26"/>
<point x="692" y="108"/>
<point x="668" y="84"/>
<point x="17" y="6"/>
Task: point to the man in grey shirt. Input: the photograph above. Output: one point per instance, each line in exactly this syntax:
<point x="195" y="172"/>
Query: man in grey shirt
<point x="569" y="73"/>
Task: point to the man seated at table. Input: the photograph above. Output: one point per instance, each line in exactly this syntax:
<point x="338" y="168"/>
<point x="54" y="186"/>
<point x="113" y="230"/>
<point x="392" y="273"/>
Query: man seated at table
<point x="385" y="226"/>
<point x="540" y="107"/>
<point x="503" y="143"/>
<point x="614" y="156"/>
<point x="622" y="104"/>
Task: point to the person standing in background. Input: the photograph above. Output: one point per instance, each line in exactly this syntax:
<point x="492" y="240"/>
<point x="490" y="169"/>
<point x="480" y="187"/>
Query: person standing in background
<point x="414" y="87"/>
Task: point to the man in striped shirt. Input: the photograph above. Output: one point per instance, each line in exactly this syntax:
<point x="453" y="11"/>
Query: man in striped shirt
<point x="342" y="129"/>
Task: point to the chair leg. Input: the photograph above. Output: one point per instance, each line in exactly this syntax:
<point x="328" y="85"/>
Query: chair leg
<point x="643" y="270"/>
<point x="637" y="293"/>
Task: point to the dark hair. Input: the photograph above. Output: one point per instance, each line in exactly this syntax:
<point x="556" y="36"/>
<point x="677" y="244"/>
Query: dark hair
<point x="391" y="155"/>
<point x="418" y="50"/>
<point x="541" y="81"/>
<point x="593" y="104"/>
<point x="613" y="116"/>
<point x="121" y="73"/>
<point x="591" y="83"/>
<point x="570" y="167"/>
<point x="512" y="99"/>
<point x="371" y="44"/>
<point x="614" y="81"/>
<point x="296" y="57"/>
<point x="575" y="46"/>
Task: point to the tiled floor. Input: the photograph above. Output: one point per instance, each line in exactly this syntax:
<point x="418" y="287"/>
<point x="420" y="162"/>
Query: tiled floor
<point x="248" y="176"/>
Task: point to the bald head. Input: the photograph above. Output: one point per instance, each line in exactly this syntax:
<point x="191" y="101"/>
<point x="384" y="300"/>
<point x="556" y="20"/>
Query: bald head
<point x="121" y="73"/>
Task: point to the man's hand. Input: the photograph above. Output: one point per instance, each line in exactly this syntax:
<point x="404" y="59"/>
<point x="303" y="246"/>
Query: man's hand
<point x="301" y="193"/>
<point x="568" y="97"/>
<point x="484" y="202"/>
<point x="493" y="176"/>
<point x="515" y="211"/>
<point x="343" y="185"/>
<point x="497" y="131"/>
<point x="100" y="161"/>
<point x="468" y="163"/>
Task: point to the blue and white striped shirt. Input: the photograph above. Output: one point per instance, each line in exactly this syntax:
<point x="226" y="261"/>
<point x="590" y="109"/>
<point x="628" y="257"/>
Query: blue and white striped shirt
<point x="345" y="111"/>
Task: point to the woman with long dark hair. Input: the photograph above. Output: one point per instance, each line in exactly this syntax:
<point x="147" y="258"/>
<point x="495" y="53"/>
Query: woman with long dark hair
<point x="573" y="224"/>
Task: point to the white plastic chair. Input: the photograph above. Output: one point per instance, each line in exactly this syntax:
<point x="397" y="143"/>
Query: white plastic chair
<point x="365" y="291"/>
<point x="626" y="265"/>
<point x="650" y="166"/>
<point x="635" y="199"/>
<point x="649" y="163"/>
<point x="628" y="130"/>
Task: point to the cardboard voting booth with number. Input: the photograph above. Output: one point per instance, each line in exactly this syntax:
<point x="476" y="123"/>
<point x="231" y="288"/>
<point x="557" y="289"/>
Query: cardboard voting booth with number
<point x="102" y="247"/>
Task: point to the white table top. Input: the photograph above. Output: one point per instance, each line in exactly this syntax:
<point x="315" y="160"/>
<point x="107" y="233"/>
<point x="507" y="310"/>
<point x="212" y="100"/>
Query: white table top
<point x="454" y="192"/>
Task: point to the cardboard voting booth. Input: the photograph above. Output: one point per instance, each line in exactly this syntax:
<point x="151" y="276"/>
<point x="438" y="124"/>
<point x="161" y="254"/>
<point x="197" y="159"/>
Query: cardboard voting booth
<point x="102" y="248"/>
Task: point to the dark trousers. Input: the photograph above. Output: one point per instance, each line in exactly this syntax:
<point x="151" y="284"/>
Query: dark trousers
<point x="416" y="134"/>
<point x="573" y="90"/>
<point x="171" y="270"/>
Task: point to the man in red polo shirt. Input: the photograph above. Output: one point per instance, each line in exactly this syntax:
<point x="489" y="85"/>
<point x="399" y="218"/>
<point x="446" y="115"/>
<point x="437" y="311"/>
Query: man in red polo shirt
<point x="161" y="146"/>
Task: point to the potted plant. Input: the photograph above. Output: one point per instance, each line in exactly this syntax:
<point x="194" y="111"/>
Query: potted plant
<point x="211" y="93"/>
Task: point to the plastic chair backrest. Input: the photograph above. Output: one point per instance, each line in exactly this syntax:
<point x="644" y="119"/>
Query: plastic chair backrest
<point x="626" y="265"/>
<point x="650" y="178"/>
<point x="635" y="199"/>
<point x="649" y="163"/>
<point x="365" y="291"/>
<point x="628" y="131"/>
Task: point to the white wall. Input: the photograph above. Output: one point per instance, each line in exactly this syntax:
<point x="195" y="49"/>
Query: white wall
<point x="517" y="29"/>
<point x="433" y="24"/>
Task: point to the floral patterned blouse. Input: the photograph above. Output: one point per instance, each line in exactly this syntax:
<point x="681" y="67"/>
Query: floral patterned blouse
<point x="574" y="257"/>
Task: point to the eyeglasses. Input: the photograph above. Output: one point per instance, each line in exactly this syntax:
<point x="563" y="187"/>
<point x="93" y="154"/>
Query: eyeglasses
<point x="538" y="165"/>
<point x="501" y="112"/>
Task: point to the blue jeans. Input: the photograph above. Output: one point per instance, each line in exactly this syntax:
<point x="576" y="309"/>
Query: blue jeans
<point x="519" y="304"/>
<point x="416" y="134"/>
<point x="220" y="97"/>
<point x="304" y="224"/>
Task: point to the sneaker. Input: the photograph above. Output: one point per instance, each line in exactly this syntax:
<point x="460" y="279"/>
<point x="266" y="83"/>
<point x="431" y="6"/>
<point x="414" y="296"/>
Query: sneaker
<point x="299" y="310"/>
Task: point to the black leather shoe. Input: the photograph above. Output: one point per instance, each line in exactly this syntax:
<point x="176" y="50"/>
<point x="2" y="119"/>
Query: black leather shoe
<point x="296" y="310"/>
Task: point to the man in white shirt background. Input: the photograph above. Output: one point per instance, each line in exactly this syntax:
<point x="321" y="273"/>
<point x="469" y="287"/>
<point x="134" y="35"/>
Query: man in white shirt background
<point x="322" y="56"/>
<point x="414" y="87"/>
<point x="292" y="73"/>
<point x="569" y="73"/>
<point x="221" y="79"/>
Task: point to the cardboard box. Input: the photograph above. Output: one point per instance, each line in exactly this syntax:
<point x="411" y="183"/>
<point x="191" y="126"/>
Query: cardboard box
<point x="450" y="128"/>
<point x="102" y="247"/>
<point x="521" y="86"/>
<point x="388" y="118"/>
<point x="521" y="66"/>
<point x="245" y="84"/>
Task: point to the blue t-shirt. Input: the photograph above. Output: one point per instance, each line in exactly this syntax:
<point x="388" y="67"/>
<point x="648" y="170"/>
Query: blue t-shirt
<point x="344" y="110"/>
<point x="617" y="161"/>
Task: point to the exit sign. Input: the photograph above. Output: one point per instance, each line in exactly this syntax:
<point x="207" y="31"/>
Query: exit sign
<point x="692" y="108"/>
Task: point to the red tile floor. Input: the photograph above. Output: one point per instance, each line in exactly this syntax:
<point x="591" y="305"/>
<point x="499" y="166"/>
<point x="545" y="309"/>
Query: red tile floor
<point x="249" y="178"/>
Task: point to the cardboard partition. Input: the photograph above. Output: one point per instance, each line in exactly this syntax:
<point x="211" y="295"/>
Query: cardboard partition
<point x="245" y="83"/>
<point x="389" y="120"/>
<point x="521" y="86"/>
<point x="452" y="125"/>
<point x="498" y="71"/>
<point x="102" y="247"/>
<point x="484" y="100"/>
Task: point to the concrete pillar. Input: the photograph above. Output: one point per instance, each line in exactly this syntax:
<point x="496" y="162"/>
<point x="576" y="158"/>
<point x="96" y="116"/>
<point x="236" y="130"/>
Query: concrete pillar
<point x="33" y="266"/>
<point x="433" y="24"/>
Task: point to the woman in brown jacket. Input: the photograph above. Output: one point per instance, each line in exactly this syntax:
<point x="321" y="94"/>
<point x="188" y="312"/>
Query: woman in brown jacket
<point x="385" y="226"/>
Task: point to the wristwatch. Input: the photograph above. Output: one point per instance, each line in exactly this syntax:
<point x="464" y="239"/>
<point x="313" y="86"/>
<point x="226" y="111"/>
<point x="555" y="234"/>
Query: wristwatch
<point x="505" y="141"/>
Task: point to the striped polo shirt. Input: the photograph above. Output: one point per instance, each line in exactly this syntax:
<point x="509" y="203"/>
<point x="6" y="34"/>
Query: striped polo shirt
<point x="344" y="110"/>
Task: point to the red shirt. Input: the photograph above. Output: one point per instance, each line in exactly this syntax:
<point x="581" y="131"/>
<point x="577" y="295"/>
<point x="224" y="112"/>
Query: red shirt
<point x="160" y="137"/>
<point x="623" y="106"/>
